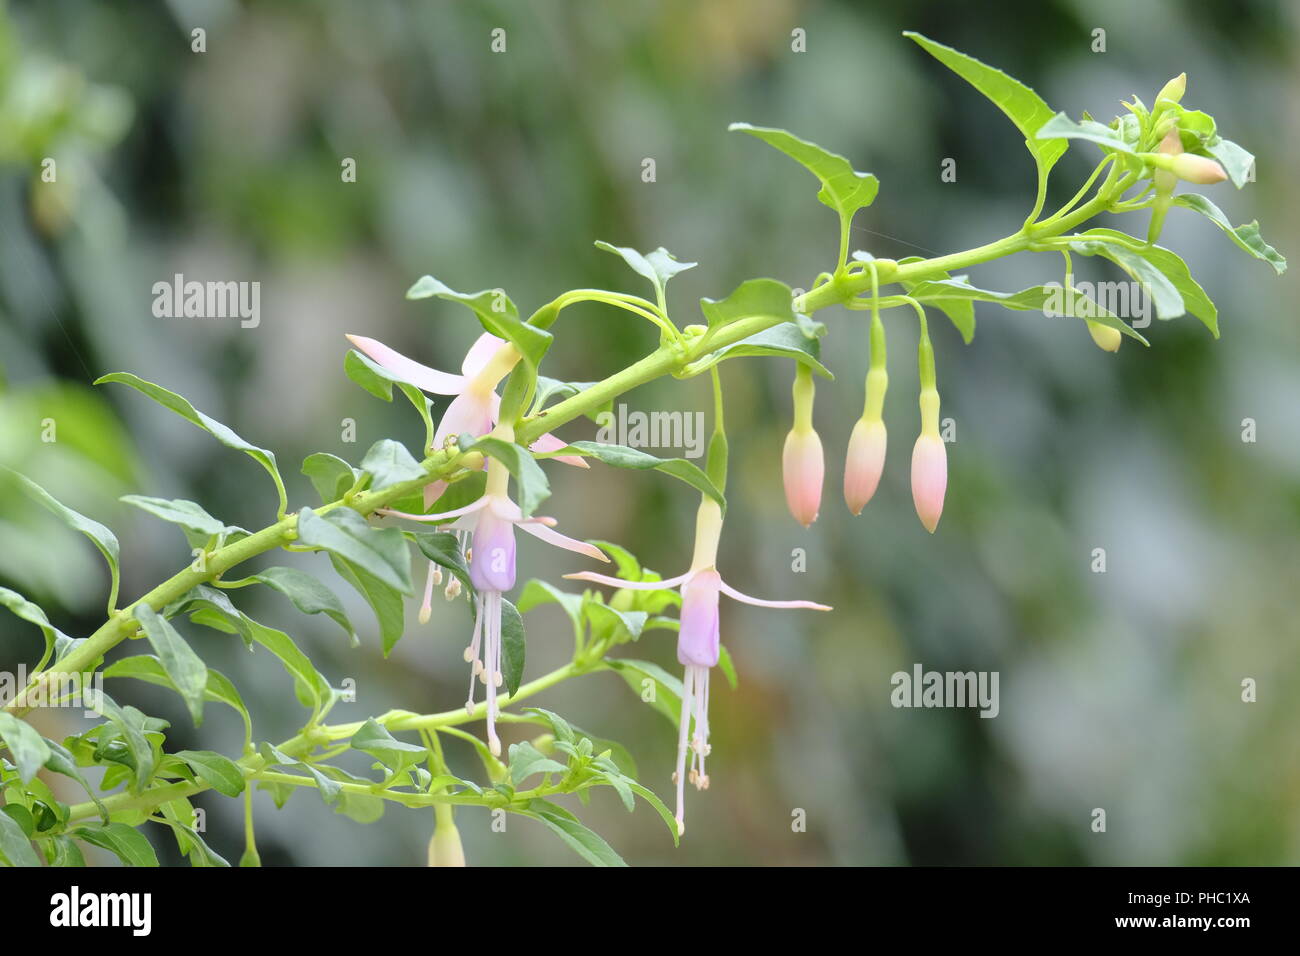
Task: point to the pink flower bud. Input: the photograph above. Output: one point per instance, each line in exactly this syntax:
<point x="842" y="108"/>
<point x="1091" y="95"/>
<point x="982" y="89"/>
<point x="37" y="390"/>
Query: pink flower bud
<point x="1197" y="169"/>
<point x="803" y="468"/>
<point x="864" y="463"/>
<point x="929" y="478"/>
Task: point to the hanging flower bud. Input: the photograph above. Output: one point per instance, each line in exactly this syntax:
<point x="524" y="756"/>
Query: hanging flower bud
<point x="1173" y="91"/>
<point x="929" y="455"/>
<point x="866" y="456"/>
<point x="802" y="464"/>
<point x="1188" y="167"/>
<point x="1106" y="337"/>
<point x="445" y="848"/>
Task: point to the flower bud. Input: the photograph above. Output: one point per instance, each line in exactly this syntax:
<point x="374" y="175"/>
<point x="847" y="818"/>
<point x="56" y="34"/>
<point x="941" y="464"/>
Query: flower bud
<point x="929" y="479"/>
<point x="803" y="468"/>
<point x="864" y="463"/>
<point x="1173" y="90"/>
<point x="929" y="464"/>
<point x="445" y="848"/>
<point x="1106" y="337"/>
<point x="1197" y="169"/>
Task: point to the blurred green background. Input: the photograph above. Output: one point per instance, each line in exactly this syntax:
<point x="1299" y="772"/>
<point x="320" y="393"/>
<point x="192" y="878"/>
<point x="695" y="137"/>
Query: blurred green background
<point x="1119" y="690"/>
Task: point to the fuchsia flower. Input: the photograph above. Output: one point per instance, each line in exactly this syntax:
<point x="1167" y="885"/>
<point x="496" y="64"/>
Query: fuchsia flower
<point x="476" y="407"/>
<point x="492" y="520"/>
<point x="698" y="646"/>
<point x="802" y="463"/>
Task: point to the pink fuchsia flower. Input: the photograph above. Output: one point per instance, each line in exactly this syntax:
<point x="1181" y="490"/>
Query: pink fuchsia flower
<point x="476" y="406"/>
<point x="802" y="462"/>
<point x="698" y="642"/>
<point x="492" y="520"/>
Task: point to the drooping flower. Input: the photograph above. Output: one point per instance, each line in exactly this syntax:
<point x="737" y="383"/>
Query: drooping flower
<point x="866" y="455"/>
<point x="802" y="462"/>
<point x="492" y="520"/>
<point x="698" y="647"/>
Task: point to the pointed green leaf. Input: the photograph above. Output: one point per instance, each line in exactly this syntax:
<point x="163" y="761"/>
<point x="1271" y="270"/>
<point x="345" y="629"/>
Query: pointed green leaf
<point x="844" y="189"/>
<point x="382" y="552"/>
<point x="1171" y="265"/>
<point x="667" y="697"/>
<point x="373" y="738"/>
<point x="223" y="434"/>
<point x="959" y="311"/>
<point x="524" y="760"/>
<point x="102" y="537"/>
<point x="621" y="456"/>
<point x="783" y="341"/>
<point x="31" y="613"/>
<point x="307" y="594"/>
<point x="586" y="843"/>
<point x="443" y="549"/>
<point x="389" y="463"/>
<point x="27" y="747"/>
<point x="188" y="673"/>
<point x="385" y="601"/>
<point x="512" y="647"/>
<point x="658" y="266"/>
<point x="1162" y="290"/>
<point x="219" y="772"/>
<point x="187" y="514"/>
<point x="1247" y="237"/>
<point x="126" y="843"/>
<point x="309" y="686"/>
<point x="15" y="846"/>
<point x="496" y="313"/>
<point x="1025" y="108"/>
<point x="1061" y="126"/>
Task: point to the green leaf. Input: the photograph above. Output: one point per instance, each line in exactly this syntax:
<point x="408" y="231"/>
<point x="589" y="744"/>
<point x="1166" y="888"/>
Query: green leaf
<point x="1034" y="299"/>
<point x="960" y="312"/>
<point x="658" y="266"/>
<point x="188" y="673"/>
<point x="537" y="592"/>
<point x="379" y="381"/>
<point x="187" y="514"/>
<point x="586" y="843"/>
<point x="389" y="463"/>
<point x="373" y="738"/>
<point x="531" y="485"/>
<point x="1025" y="108"/>
<point x="621" y="456"/>
<point x="220" y="773"/>
<point x="767" y="298"/>
<point x="496" y="313"/>
<point x="65" y="853"/>
<point x="31" y="613"/>
<point x="126" y="843"/>
<point x="309" y="686"/>
<point x="650" y="797"/>
<point x="844" y="189"/>
<point x="223" y="434"/>
<point x="330" y="475"/>
<point x="1061" y="126"/>
<point x="1163" y="292"/>
<point x="382" y="552"/>
<point x="148" y="668"/>
<point x="784" y="341"/>
<point x="1247" y="237"/>
<point x="443" y="549"/>
<point x="27" y="746"/>
<point x="62" y="762"/>
<point x="1171" y="265"/>
<point x="549" y="388"/>
<point x="727" y="666"/>
<point x="132" y="726"/>
<point x="15" y="846"/>
<point x="667" y="688"/>
<point x="307" y="594"/>
<point x="211" y="607"/>
<point x="524" y="760"/>
<point x="1236" y="161"/>
<point x="559" y="726"/>
<point x="512" y="647"/>
<point x="102" y="537"/>
<point x="328" y="787"/>
<point x="628" y="625"/>
<point x="385" y="601"/>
